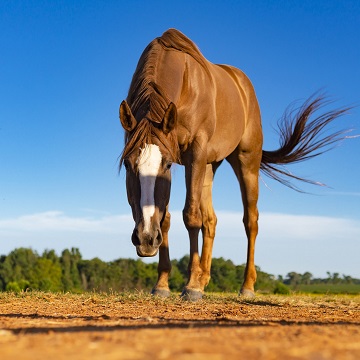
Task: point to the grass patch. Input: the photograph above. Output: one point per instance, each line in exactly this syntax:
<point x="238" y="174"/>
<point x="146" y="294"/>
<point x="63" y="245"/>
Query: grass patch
<point x="329" y="289"/>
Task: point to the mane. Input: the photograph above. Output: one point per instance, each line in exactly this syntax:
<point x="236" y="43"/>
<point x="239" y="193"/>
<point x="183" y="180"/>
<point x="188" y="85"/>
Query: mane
<point x="148" y="101"/>
<point x="174" y="39"/>
<point x="146" y="98"/>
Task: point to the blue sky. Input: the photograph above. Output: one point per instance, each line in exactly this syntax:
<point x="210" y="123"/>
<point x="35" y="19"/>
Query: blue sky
<point x="65" y="68"/>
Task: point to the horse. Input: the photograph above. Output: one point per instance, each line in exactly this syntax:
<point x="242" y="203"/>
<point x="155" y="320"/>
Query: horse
<point x="183" y="109"/>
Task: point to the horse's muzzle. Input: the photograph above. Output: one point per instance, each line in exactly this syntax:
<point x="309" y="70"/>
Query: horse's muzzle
<point x="146" y="244"/>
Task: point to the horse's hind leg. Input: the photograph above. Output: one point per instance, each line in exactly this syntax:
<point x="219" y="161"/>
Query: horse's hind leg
<point x="246" y="164"/>
<point x="164" y="267"/>
<point x="209" y="221"/>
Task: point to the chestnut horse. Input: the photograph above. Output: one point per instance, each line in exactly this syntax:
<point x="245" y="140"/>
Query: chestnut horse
<point x="184" y="109"/>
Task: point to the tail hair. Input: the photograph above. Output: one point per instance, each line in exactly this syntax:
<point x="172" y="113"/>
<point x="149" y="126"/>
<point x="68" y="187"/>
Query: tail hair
<point x="302" y="137"/>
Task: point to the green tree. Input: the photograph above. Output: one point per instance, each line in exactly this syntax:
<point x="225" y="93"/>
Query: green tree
<point x="69" y="261"/>
<point x="145" y="275"/>
<point x="223" y="276"/>
<point x="125" y="271"/>
<point x="306" y="278"/>
<point x="94" y="274"/>
<point x="293" y="279"/>
<point x="17" y="266"/>
<point x="264" y="282"/>
<point x="177" y="280"/>
<point x="46" y="275"/>
<point x="183" y="266"/>
<point x="347" y="279"/>
<point x="240" y="271"/>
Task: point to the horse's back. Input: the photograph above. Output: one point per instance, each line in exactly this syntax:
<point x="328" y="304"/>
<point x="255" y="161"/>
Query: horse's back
<point x="236" y="109"/>
<point x="239" y="86"/>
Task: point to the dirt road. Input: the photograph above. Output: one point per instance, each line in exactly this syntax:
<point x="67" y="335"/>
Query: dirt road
<point x="138" y="326"/>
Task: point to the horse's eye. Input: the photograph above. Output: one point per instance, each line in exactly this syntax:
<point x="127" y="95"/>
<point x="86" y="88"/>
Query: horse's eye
<point x="126" y="164"/>
<point x="168" y="165"/>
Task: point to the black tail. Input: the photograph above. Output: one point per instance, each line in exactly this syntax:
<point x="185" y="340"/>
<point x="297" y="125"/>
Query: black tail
<point x="302" y="138"/>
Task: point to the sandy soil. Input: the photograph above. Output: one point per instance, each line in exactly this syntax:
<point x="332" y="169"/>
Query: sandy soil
<point x="138" y="326"/>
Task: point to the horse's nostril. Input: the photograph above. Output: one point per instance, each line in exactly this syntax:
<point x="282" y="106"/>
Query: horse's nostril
<point x="135" y="237"/>
<point x="151" y="241"/>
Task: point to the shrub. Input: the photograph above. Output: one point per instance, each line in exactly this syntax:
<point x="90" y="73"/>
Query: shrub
<point x="13" y="286"/>
<point x="281" y="288"/>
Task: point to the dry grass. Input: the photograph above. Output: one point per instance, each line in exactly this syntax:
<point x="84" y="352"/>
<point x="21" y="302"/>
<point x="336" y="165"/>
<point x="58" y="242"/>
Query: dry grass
<point x="210" y="299"/>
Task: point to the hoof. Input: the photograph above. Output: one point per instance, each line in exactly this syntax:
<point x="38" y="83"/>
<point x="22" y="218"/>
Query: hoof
<point x="246" y="293"/>
<point x="191" y="295"/>
<point x="164" y="293"/>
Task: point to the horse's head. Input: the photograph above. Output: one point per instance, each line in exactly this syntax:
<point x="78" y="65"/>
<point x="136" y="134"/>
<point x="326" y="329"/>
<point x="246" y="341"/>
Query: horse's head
<point x="148" y="156"/>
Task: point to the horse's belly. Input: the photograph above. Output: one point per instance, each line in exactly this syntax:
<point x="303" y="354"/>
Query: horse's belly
<point x="224" y="141"/>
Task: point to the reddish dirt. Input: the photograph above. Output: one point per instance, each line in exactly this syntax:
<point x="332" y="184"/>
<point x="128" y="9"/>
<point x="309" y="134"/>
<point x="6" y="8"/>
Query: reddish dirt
<point x="137" y="326"/>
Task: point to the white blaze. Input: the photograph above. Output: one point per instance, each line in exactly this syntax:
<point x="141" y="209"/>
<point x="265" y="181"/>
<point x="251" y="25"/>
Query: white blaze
<point x="149" y="164"/>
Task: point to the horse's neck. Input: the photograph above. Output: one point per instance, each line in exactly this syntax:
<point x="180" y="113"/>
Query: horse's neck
<point x="169" y="73"/>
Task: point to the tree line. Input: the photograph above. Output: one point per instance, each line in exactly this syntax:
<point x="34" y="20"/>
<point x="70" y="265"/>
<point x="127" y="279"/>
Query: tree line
<point x="294" y="279"/>
<point x="24" y="269"/>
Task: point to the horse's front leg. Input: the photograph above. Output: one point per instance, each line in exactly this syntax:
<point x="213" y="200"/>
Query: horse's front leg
<point x="209" y="221"/>
<point x="195" y="168"/>
<point x="161" y="287"/>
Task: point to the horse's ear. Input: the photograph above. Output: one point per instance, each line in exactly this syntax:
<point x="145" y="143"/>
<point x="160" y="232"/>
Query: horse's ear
<point x="126" y="117"/>
<point x="169" y="120"/>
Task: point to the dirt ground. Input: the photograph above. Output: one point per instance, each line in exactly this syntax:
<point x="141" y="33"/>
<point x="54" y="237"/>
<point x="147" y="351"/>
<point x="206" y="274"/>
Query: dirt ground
<point x="138" y="326"/>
